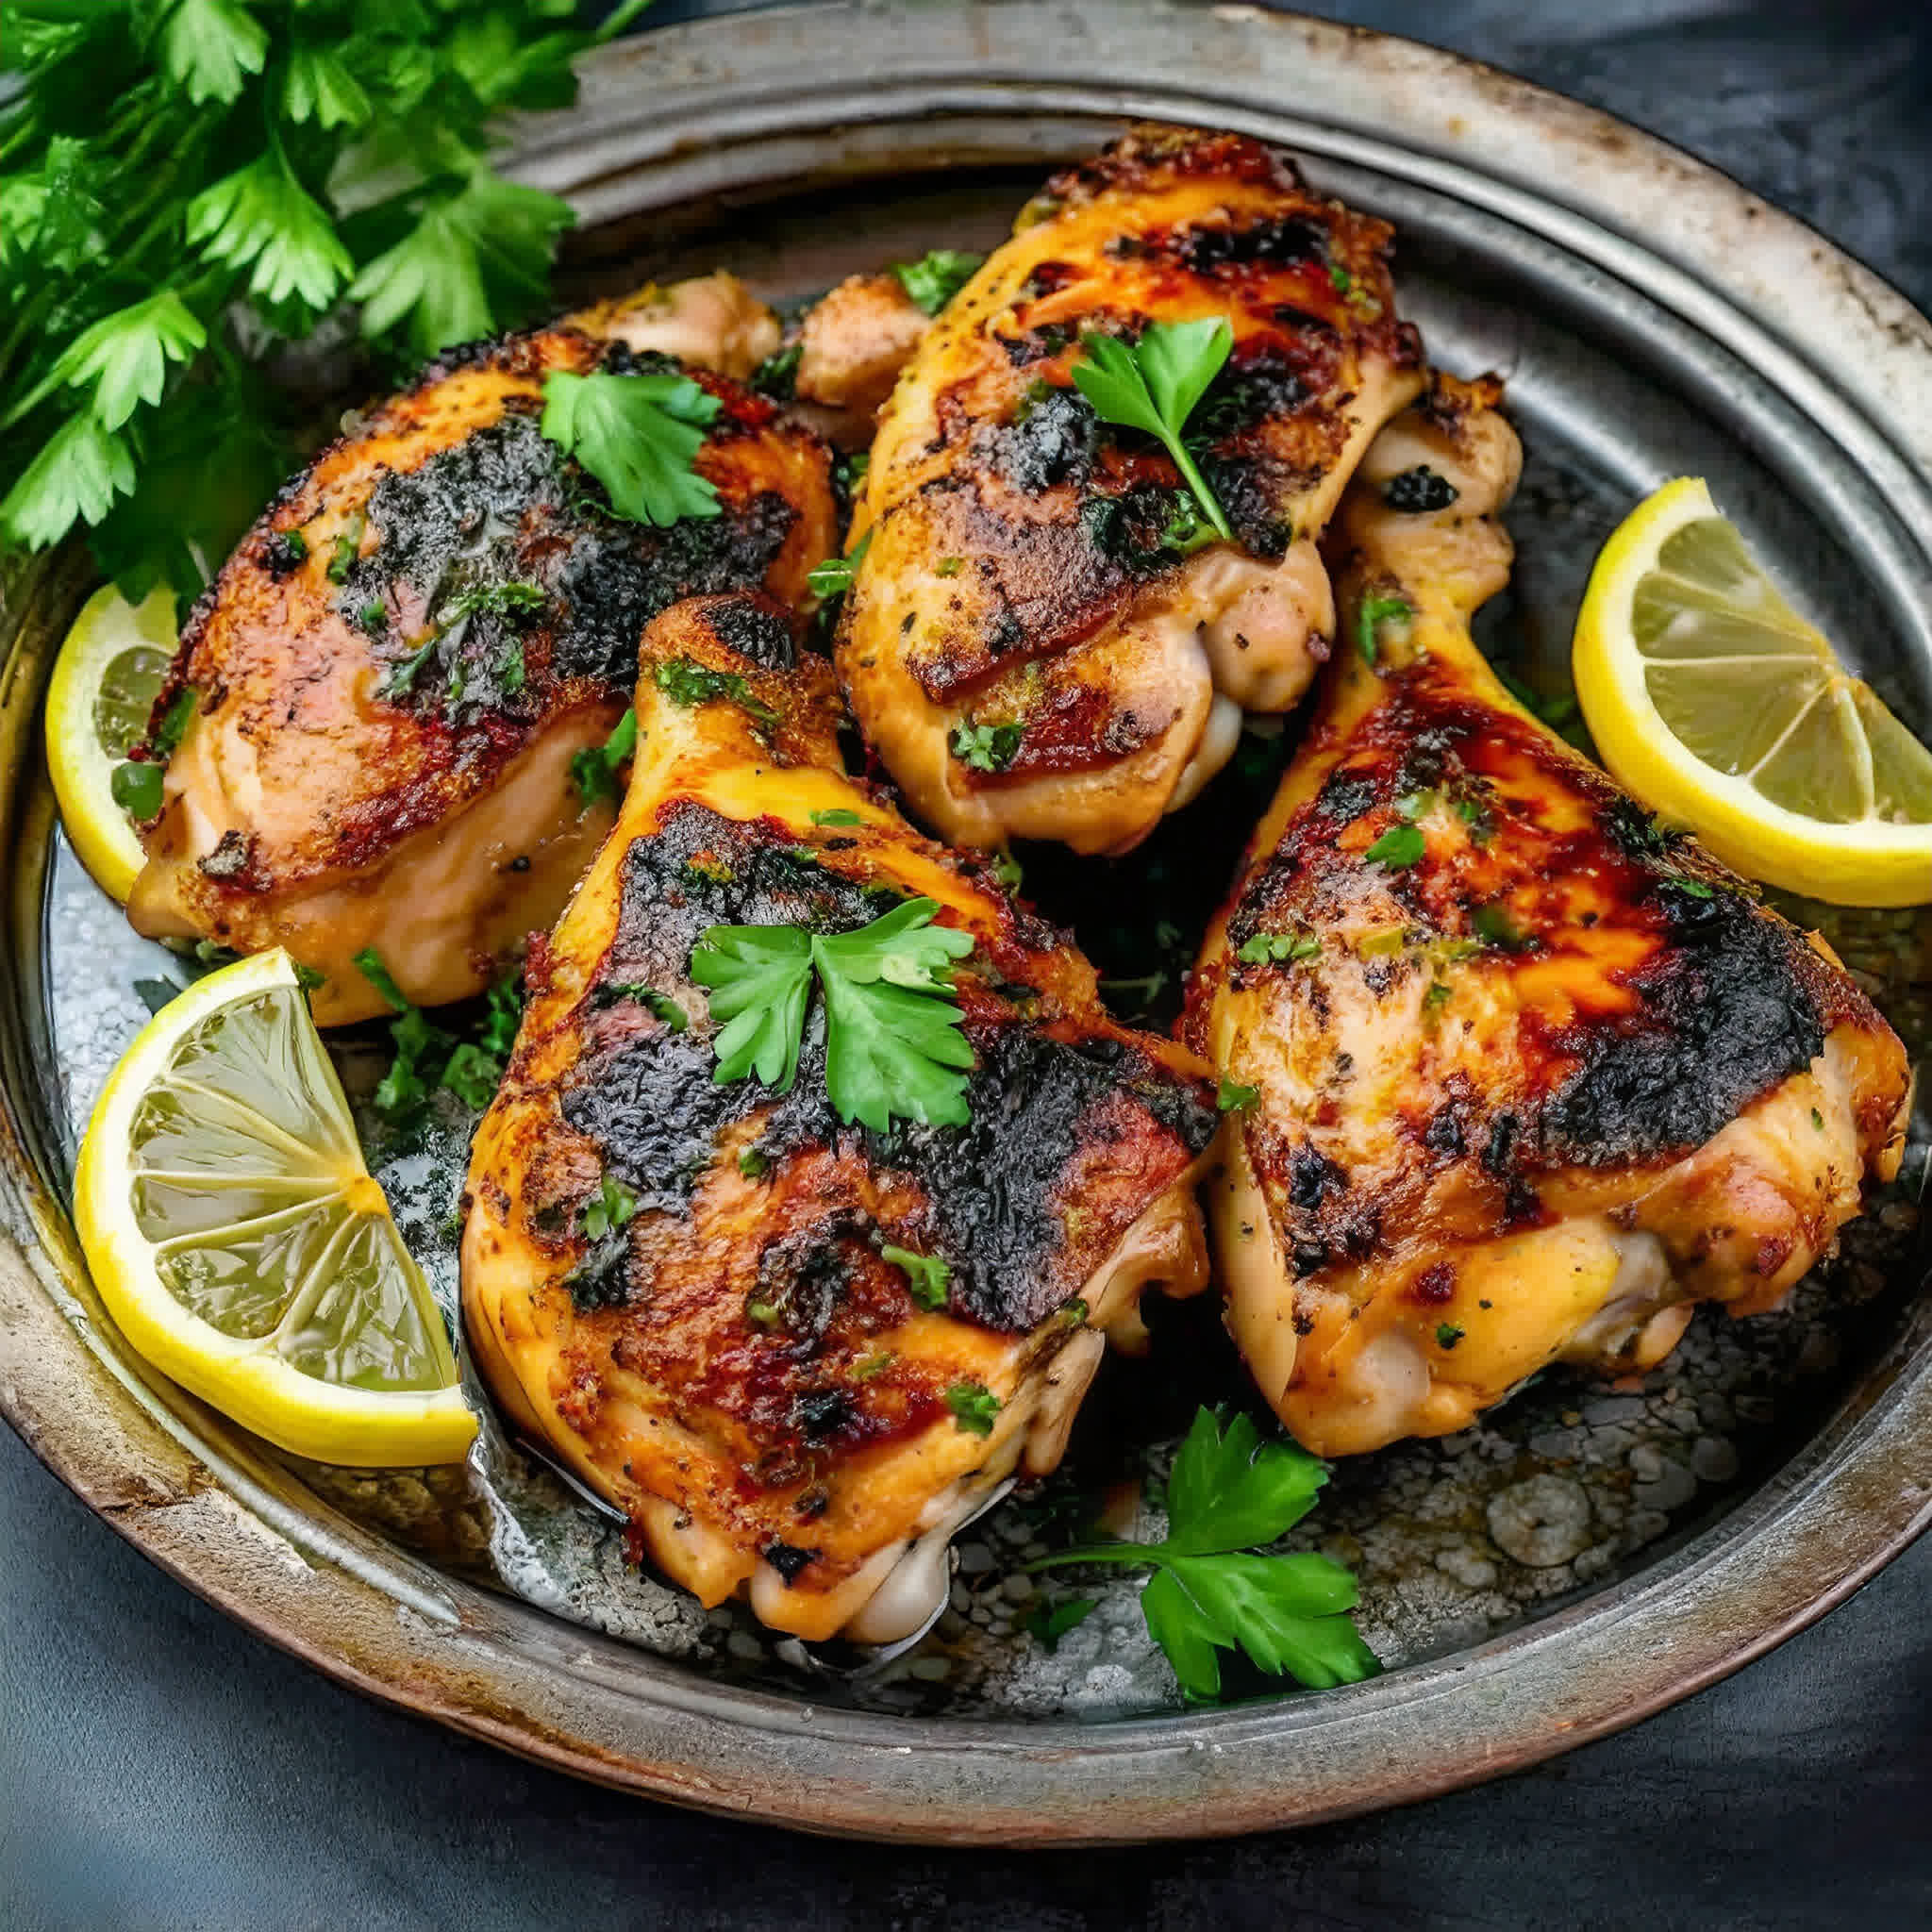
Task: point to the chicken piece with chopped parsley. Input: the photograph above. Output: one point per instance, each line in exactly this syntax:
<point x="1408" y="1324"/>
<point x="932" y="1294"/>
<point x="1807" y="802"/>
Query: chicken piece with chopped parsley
<point x="1092" y="509"/>
<point x="820" y="1176"/>
<point x="1523" y="1075"/>
<point x="391" y="706"/>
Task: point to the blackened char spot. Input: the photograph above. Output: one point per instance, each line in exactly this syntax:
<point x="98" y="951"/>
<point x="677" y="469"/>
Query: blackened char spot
<point x="787" y="1558"/>
<point x="1275" y="239"/>
<point x="620" y="576"/>
<point x="757" y="631"/>
<point x="1050" y="441"/>
<point x="505" y="502"/>
<point x="1723" y="1018"/>
<point x="1345" y="796"/>
<point x="991" y="1183"/>
<point x="1036" y="1102"/>
<point x="1312" y="1178"/>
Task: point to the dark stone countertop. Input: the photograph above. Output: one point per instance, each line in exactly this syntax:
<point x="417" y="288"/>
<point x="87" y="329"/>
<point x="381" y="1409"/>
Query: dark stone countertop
<point x="159" y="1767"/>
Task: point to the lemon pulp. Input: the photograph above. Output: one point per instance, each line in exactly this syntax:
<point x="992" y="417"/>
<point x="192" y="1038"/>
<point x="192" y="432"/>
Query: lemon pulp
<point x="1715" y="702"/>
<point x="241" y="1244"/>
<point x="110" y="669"/>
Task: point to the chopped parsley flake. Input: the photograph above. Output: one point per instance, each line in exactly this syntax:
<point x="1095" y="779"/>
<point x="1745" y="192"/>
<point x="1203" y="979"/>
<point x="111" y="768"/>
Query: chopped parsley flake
<point x="927" y="1275"/>
<point x="974" y="1406"/>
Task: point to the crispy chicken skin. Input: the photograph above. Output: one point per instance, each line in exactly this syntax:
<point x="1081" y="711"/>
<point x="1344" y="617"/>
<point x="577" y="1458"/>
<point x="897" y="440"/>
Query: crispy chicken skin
<point x="741" y="1369"/>
<point x="1536" y="1093"/>
<point x="1017" y="576"/>
<point x="330" y="794"/>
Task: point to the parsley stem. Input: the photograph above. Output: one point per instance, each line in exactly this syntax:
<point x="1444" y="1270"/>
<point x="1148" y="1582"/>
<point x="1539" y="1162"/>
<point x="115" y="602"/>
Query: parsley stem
<point x="1205" y="498"/>
<point x="1156" y="1554"/>
<point x="620" y="18"/>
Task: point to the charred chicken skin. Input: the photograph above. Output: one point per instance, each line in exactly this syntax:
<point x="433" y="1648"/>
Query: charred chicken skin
<point x="395" y="671"/>
<point x="1528" y="1073"/>
<point x="1028" y="645"/>
<point x="738" y="1355"/>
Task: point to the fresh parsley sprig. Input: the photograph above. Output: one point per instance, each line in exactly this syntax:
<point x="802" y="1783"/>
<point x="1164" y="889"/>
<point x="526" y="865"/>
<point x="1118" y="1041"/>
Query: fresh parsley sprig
<point x="639" y="436"/>
<point x="1228" y="1493"/>
<point x="1154" y="385"/>
<point x="893" y="1047"/>
<point x="186" y="186"/>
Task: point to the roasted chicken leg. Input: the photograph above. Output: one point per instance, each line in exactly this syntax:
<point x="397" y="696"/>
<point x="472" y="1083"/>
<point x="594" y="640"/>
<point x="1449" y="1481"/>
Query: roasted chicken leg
<point x="396" y="668"/>
<point x="709" y="1300"/>
<point x="1527" y="1075"/>
<point x="1029" y="645"/>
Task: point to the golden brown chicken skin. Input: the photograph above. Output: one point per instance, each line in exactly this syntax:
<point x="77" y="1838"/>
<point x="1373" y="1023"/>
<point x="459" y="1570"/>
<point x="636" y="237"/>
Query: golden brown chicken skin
<point x="1026" y="644"/>
<point x="783" y="1412"/>
<point x="1530" y="1074"/>
<point x="369" y="767"/>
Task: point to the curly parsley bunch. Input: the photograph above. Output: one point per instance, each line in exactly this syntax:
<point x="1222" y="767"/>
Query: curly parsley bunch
<point x="187" y="186"/>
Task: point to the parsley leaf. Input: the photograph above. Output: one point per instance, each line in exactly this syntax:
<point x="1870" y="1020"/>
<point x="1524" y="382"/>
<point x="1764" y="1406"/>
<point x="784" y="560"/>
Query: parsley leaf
<point x="833" y="577"/>
<point x="209" y="47"/>
<point x="684" y="681"/>
<point x="260" y="218"/>
<point x="1232" y="1096"/>
<point x="75" y="478"/>
<point x="837" y="815"/>
<point x="893" y="1047"/>
<point x="974" y="1407"/>
<point x="1154" y="385"/>
<point x="758" y="978"/>
<point x="124" y="358"/>
<point x="929" y="1275"/>
<point x="937" y="276"/>
<point x="470" y="256"/>
<point x="427" y="1057"/>
<point x="638" y="436"/>
<point x="1229" y="1491"/>
<point x="1278" y="948"/>
<point x="985" y="747"/>
<point x="1400" y="846"/>
<point x="187" y="185"/>
<point x="595" y="767"/>
<point x="611" y="1208"/>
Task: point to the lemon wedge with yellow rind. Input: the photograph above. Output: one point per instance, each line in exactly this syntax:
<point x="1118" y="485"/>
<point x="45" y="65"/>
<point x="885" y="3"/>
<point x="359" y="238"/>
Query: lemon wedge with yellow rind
<point x="241" y="1246"/>
<point x="1718" y="705"/>
<point x="109" y="670"/>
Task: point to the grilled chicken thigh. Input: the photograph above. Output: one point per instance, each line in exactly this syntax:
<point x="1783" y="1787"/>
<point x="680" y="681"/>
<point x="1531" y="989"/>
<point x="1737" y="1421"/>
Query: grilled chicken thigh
<point x="745" y="1364"/>
<point x="368" y="766"/>
<point x="1028" y="645"/>
<point x="1530" y="1075"/>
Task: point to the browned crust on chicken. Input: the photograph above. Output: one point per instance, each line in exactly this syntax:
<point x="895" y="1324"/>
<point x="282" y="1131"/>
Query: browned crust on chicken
<point x="743" y="1355"/>
<point x="1019" y="575"/>
<point x="323" y="756"/>
<point x="1543" y="1070"/>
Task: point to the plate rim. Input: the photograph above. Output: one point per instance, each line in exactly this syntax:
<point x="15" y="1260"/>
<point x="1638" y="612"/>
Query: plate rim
<point x="193" y="1495"/>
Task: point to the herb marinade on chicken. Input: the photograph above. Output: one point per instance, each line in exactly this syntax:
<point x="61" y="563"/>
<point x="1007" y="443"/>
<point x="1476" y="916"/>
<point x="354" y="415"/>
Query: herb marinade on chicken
<point x="1032" y="645"/>
<point x="1524" y="1073"/>
<point x="395" y="669"/>
<point x="730" y="1353"/>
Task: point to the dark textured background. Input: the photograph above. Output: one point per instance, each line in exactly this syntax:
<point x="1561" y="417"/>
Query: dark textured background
<point x="159" y="1767"/>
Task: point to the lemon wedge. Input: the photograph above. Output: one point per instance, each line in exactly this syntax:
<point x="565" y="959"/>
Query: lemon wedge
<point x="104" y="681"/>
<point x="243" y="1246"/>
<point x="1718" y="705"/>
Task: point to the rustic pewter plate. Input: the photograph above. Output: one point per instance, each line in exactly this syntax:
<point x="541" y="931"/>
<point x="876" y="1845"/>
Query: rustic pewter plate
<point x="1591" y="1552"/>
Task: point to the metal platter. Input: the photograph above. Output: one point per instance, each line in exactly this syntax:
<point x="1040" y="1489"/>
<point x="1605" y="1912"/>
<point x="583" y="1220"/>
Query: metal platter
<point x="1652" y="319"/>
